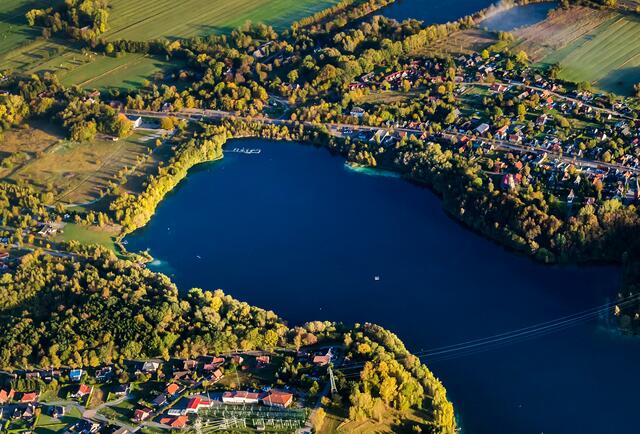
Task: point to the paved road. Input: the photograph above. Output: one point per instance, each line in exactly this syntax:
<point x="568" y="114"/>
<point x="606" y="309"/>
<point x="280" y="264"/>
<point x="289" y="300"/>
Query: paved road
<point x="504" y="145"/>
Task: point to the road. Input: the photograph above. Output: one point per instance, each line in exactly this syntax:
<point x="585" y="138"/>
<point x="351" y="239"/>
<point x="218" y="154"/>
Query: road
<point x="503" y="145"/>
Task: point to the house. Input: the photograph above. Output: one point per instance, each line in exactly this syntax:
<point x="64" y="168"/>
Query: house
<point x="150" y="366"/>
<point x="278" y="398"/>
<point x="160" y="400"/>
<point x="135" y="120"/>
<point x="542" y="120"/>
<point x="6" y="396"/>
<point x="213" y="364"/>
<point x="237" y="359"/>
<point x="33" y="375"/>
<point x="82" y="390"/>
<point x="188" y="365"/>
<point x="357" y="112"/>
<point x="216" y="376"/>
<point x="75" y="375"/>
<point x="263" y="360"/>
<point x="181" y="375"/>
<point x="196" y="403"/>
<point x="29" y="397"/>
<point x="175" y="422"/>
<point x="172" y="389"/>
<point x="84" y="426"/>
<point x="121" y="390"/>
<point x="104" y="374"/>
<point x="322" y="360"/>
<point x="56" y="411"/>
<point x="499" y="87"/>
<point x="241" y="397"/>
<point x="141" y="414"/>
<point x="482" y="129"/>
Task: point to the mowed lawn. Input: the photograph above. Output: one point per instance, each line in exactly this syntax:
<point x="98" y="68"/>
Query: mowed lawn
<point x="14" y="30"/>
<point x="608" y="57"/>
<point x="149" y="19"/>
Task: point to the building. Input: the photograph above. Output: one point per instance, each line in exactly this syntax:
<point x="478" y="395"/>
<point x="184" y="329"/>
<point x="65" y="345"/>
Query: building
<point x="172" y="389"/>
<point x="241" y="397"/>
<point x="482" y="129"/>
<point x="216" y="376"/>
<point x="75" y="374"/>
<point x="83" y="390"/>
<point x="322" y="360"/>
<point x="136" y="121"/>
<point x="263" y="360"/>
<point x="175" y="422"/>
<point x="160" y="400"/>
<point x="357" y="112"/>
<point x="6" y="396"/>
<point x="197" y="403"/>
<point x="121" y="390"/>
<point x="278" y="398"/>
<point x="29" y="397"/>
<point x="141" y="414"/>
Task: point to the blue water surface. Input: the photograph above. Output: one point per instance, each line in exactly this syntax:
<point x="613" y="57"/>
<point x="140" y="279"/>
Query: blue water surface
<point x="294" y="230"/>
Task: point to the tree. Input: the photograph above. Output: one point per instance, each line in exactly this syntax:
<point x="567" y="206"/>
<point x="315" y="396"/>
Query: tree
<point x="317" y="419"/>
<point x="522" y="58"/>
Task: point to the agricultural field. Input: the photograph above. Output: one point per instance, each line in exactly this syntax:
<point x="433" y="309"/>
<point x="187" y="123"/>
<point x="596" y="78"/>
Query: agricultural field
<point x="22" y="51"/>
<point x="77" y="173"/>
<point x="82" y="67"/>
<point x="561" y="29"/>
<point x="609" y="57"/>
<point x="14" y="31"/>
<point x="598" y="46"/>
<point x="149" y="19"/>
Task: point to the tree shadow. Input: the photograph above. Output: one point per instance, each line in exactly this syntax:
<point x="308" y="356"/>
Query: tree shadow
<point x="620" y="81"/>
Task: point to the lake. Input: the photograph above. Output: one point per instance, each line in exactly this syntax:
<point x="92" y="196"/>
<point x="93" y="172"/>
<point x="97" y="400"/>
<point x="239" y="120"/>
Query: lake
<point x="514" y="18"/>
<point x="432" y="11"/>
<point x="292" y="229"/>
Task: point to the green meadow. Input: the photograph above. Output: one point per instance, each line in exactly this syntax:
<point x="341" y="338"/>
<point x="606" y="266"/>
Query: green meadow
<point x="608" y="57"/>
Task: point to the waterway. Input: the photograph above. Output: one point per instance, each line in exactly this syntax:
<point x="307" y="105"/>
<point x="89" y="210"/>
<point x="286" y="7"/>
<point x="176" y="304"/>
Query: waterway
<point x="292" y="229"/>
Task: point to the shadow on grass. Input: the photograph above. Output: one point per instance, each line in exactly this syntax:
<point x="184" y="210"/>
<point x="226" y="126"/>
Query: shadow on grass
<point x="620" y="81"/>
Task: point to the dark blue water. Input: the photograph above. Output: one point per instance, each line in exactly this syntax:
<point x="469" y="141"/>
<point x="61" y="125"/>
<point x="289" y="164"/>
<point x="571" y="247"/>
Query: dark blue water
<point x="295" y="231"/>
<point x="514" y="18"/>
<point x="431" y="11"/>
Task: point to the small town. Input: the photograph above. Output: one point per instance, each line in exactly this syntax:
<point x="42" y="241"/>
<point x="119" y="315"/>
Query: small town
<point x="243" y="391"/>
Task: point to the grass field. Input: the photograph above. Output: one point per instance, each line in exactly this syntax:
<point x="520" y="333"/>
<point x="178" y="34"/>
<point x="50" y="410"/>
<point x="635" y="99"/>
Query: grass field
<point x="148" y="19"/>
<point x="83" y="68"/>
<point x="87" y="235"/>
<point x="14" y="30"/>
<point x="609" y="56"/>
<point x="22" y="51"/>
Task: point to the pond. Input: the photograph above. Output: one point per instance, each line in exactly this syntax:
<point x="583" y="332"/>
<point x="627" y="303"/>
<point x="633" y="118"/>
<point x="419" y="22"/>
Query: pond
<point x="292" y="229"/>
<point x="514" y="18"/>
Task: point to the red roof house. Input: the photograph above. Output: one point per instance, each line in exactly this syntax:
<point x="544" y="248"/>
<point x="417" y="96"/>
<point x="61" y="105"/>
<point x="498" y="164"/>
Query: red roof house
<point x="29" y="397"/>
<point x="278" y="398"/>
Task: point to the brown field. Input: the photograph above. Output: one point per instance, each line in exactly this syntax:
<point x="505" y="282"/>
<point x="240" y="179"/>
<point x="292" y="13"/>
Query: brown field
<point x="559" y="30"/>
<point x="78" y="173"/>
<point x="20" y="146"/>
<point x="392" y="421"/>
<point x="462" y="42"/>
